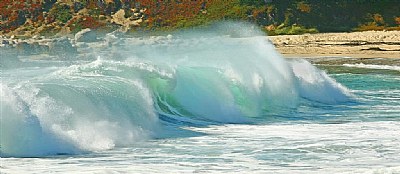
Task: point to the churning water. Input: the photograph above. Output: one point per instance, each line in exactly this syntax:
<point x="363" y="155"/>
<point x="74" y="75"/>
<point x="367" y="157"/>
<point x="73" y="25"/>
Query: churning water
<point x="221" y="100"/>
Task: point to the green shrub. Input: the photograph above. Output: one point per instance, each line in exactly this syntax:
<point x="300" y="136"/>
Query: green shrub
<point x="253" y="2"/>
<point x="95" y="12"/>
<point x="292" y="30"/>
<point x="61" y="12"/>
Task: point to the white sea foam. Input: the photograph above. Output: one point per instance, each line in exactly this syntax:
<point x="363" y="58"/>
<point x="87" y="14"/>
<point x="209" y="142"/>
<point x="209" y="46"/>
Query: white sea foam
<point x="316" y="85"/>
<point x="363" y="147"/>
<point x="369" y="66"/>
<point x="61" y="114"/>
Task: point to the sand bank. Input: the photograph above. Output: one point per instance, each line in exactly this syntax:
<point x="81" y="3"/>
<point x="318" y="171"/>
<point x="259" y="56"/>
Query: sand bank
<point x="368" y="44"/>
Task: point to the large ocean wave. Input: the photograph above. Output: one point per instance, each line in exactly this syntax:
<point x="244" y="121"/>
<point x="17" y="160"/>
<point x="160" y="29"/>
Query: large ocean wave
<point x="136" y="87"/>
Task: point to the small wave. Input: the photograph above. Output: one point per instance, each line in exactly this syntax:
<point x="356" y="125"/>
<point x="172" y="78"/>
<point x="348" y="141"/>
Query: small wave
<point x="369" y="66"/>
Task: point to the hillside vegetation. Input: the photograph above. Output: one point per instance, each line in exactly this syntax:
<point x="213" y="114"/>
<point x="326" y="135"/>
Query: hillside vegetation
<point x="58" y="17"/>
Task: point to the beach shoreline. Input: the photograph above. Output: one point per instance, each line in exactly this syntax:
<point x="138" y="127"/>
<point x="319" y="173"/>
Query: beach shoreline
<point x="367" y="44"/>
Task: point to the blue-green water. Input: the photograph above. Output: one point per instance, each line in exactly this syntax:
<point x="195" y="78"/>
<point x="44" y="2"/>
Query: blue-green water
<point x="197" y="103"/>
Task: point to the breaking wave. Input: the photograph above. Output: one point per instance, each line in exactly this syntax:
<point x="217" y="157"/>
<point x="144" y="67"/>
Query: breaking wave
<point x="138" y="86"/>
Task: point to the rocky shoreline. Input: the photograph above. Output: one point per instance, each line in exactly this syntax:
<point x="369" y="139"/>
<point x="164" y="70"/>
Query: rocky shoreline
<point x="367" y="44"/>
<point x="41" y="47"/>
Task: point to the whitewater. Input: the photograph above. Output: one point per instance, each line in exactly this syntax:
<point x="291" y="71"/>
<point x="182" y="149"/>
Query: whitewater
<point x="218" y="100"/>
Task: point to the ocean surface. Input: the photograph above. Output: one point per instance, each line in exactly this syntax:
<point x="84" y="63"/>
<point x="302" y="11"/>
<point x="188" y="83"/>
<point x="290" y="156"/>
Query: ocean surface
<point x="217" y="101"/>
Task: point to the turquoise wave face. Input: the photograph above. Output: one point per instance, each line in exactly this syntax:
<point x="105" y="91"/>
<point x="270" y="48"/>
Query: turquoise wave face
<point x="137" y="88"/>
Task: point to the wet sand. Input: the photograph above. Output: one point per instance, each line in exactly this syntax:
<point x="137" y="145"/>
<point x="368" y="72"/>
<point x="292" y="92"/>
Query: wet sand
<point x="368" y="44"/>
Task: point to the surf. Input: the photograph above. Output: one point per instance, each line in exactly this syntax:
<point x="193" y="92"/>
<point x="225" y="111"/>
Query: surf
<point x="124" y="90"/>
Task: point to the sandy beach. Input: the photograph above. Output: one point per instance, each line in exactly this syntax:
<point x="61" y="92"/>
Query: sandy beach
<point x="367" y="44"/>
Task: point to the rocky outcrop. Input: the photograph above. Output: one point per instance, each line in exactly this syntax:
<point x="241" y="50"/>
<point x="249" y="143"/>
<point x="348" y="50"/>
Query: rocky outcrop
<point x="86" y="35"/>
<point x="25" y="48"/>
<point x="120" y="18"/>
<point x="64" y="17"/>
<point x="62" y="47"/>
<point x="4" y="43"/>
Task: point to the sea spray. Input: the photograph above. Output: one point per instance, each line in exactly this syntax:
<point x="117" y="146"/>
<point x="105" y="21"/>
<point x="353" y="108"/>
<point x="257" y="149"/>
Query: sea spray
<point x="316" y="85"/>
<point x="228" y="74"/>
<point x="69" y="111"/>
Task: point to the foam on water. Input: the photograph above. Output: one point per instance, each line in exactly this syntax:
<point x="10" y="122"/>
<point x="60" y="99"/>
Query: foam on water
<point x="359" y="147"/>
<point x="369" y="66"/>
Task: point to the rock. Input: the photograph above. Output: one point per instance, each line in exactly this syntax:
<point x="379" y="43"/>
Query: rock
<point x="119" y="17"/>
<point x="132" y="18"/>
<point x="86" y="35"/>
<point x="4" y="42"/>
<point x="12" y="42"/>
<point x="23" y="48"/>
<point x="62" y="47"/>
<point x="38" y="49"/>
<point x="137" y="22"/>
<point x="102" y="17"/>
<point x="135" y="10"/>
<point x="65" y="31"/>
<point x="136" y="16"/>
